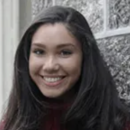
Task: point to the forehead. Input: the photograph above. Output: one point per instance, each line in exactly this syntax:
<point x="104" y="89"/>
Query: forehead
<point x="54" y="34"/>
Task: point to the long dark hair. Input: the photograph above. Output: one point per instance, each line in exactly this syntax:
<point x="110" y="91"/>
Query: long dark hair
<point x="96" y="105"/>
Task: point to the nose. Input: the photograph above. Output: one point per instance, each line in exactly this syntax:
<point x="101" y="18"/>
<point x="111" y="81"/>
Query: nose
<point x="50" y="65"/>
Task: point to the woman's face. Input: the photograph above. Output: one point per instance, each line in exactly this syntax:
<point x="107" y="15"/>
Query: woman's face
<point x="55" y="60"/>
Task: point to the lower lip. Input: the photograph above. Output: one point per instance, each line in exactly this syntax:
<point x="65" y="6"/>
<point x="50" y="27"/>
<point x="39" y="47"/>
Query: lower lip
<point x="53" y="84"/>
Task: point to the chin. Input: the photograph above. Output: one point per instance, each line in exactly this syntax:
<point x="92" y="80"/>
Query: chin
<point x="51" y="95"/>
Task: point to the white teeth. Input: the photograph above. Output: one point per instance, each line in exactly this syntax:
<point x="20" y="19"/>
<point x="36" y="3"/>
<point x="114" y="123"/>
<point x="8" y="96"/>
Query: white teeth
<point x="48" y="79"/>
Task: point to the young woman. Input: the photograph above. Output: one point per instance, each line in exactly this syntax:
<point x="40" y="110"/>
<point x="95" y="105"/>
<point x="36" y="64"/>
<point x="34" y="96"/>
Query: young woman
<point x="60" y="79"/>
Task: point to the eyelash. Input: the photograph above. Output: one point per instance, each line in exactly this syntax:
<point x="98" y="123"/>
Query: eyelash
<point x="62" y="52"/>
<point x="66" y="52"/>
<point x="38" y="52"/>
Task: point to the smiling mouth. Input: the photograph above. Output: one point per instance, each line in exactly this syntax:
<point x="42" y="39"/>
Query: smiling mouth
<point x="52" y="81"/>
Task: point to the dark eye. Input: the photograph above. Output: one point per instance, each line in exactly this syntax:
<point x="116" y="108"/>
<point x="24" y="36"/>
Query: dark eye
<point x="66" y="52"/>
<point x="38" y="52"/>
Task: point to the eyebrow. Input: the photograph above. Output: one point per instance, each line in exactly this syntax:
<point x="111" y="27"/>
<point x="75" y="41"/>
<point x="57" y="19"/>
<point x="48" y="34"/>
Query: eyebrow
<point x="65" y="45"/>
<point x="58" y="46"/>
<point x="38" y="45"/>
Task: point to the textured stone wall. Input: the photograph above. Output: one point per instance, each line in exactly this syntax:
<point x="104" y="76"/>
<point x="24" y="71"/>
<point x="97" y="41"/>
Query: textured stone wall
<point x="119" y="13"/>
<point x="105" y="18"/>
<point x="37" y="5"/>
<point x="116" y="52"/>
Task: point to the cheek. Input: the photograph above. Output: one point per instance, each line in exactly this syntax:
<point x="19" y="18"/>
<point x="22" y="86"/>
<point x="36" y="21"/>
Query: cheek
<point x="73" y="66"/>
<point x="75" y="71"/>
<point x="34" y="65"/>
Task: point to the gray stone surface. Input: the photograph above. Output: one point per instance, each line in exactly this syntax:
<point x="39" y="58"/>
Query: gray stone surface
<point x="37" y="5"/>
<point x="91" y="9"/>
<point x="116" y="52"/>
<point x="119" y="13"/>
<point x="49" y="3"/>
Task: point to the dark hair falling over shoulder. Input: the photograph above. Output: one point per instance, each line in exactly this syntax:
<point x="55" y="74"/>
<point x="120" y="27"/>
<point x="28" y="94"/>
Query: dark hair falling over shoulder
<point x="96" y="106"/>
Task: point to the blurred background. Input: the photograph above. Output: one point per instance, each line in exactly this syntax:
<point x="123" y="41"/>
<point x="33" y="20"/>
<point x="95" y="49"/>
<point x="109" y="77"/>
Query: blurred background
<point x="108" y="19"/>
